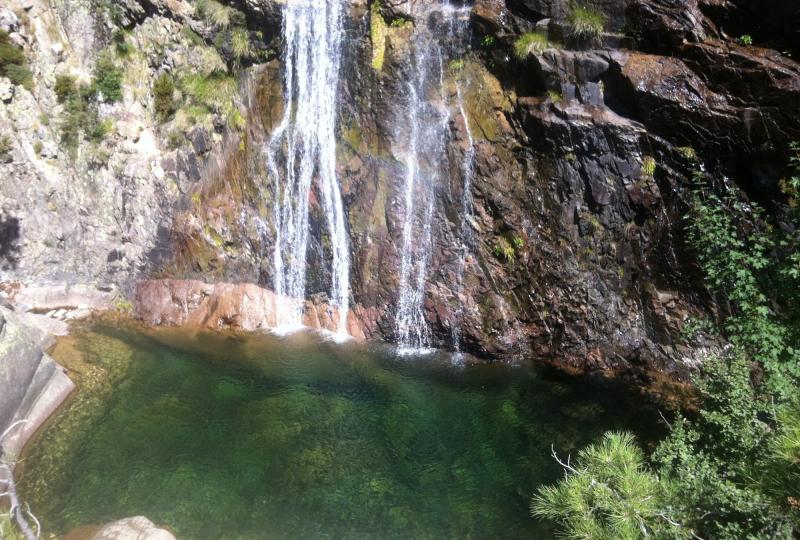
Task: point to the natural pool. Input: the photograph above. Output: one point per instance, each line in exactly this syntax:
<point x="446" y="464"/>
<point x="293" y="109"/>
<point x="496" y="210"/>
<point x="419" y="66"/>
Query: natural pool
<point x="219" y="436"/>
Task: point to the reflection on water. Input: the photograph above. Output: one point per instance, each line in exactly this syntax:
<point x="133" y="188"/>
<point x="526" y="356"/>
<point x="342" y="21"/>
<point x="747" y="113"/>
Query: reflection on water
<point x="261" y="437"/>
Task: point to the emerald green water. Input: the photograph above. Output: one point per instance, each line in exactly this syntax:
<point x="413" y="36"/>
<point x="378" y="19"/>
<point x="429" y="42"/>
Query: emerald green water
<point x="224" y="437"/>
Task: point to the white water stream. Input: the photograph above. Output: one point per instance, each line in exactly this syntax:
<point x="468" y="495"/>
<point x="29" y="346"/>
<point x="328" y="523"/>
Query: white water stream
<point x="302" y="153"/>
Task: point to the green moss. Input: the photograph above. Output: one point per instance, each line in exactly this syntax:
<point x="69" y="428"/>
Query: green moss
<point x="648" y="166"/>
<point x="378" y="34"/>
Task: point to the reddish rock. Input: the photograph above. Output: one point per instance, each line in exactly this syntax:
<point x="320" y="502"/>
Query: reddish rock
<point x="237" y="306"/>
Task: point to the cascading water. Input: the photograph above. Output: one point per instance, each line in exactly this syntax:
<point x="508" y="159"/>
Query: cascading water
<point x="465" y="232"/>
<point x="303" y="148"/>
<point x="422" y="128"/>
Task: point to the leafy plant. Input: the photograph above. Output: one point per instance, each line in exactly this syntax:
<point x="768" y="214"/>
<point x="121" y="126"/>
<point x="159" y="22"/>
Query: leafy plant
<point x="163" y="97"/>
<point x="648" y="166"/>
<point x="586" y="22"/>
<point x="65" y="87"/>
<point x="107" y="79"/>
<point x="746" y="40"/>
<point x="688" y="152"/>
<point x="240" y="44"/>
<point x="488" y="41"/>
<point x="555" y="96"/>
<point x="503" y="249"/>
<point x="13" y="63"/>
<point x="608" y="493"/>
<point x="530" y="43"/>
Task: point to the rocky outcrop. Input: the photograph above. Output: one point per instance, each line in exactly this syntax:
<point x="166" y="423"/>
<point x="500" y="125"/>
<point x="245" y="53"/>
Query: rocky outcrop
<point x="135" y="528"/>
<point x="235" y="306"/>
<point x="582" y="161"/>
<point x="32" y="385"/>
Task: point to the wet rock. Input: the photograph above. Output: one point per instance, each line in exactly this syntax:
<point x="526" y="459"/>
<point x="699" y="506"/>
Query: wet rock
<point x="237" y="306"/>
<point x="135" y="528"/>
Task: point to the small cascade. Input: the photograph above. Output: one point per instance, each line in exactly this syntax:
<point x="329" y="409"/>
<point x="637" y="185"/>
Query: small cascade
<point x="422" y="128"/>
<point x="465" y="231"/>
<point x="302" y="152"/>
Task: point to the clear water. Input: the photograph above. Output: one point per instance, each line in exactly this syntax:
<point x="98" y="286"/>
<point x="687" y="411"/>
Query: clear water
<point x="260" y="437"/>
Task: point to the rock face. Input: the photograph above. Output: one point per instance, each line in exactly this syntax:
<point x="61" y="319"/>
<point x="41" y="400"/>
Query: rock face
<point x="32" y="385"/>
<point x="583" y="158"/>
<point x="135" y="528"/>
<point x="221" y="306"/>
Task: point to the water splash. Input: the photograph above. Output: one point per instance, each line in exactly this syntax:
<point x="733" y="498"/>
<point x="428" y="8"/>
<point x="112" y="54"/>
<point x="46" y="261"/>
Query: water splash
<point x="302" y="150"/>
<point x="422" y="127"/>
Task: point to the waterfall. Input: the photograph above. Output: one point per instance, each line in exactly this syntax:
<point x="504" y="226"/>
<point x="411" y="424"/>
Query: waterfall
<point x="302" y="149"/>
<point x="465" y="232"/>
<point x="422" y="127"/>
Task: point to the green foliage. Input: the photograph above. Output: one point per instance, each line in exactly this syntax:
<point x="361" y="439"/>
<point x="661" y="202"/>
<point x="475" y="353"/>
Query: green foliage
<point x="746" y="40"/>
<point x="530" y="43"/>
<point x="121" y="44"/>
<point x="13" y="63"/>
<point x="108" y="79"/>
<point x="488" y="41"/>
<point x="720" y="461"/>
<point x="216" y="91"/>
<point x="737" y="268"/>
<point x="20" y="75"/>
<point x="649" y="166"/>
<point x="219" y="15"/>
<point x="732" y="470"/>
<point x="586" y="22"/>
<point x="555" y="96"/>
<point x="688" y="152"/>
<point x="240" y="44"/>
<point x="504" y="250"/>
<point x="694" y="326"/>
<point x="5" y="149"/>
<point x="608" y="494"/>
<point x="65" y="87"/>
<point x="8" y="529"/>
<point x="9" y="53"/>
<point x="163" y="97"/>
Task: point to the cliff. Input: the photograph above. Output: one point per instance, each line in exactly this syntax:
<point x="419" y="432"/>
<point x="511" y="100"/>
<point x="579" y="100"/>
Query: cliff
<point x="582" y="150"/>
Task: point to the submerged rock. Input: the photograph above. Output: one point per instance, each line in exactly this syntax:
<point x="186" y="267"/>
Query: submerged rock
<point x="135" y="528"/>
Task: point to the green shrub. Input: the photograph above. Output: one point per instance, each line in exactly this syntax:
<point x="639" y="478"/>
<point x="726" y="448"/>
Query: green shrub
<point x="608" y="493"/>
<point x="219" y="15"/>
<point x="108" y="79"/>
<point x="240" y="44"/>
<point x="121" y="44"/>
<point x="5" y="149"/>
<point x="530" y="43"/>
<point x="163" y="97"/>
<point x="13" y="63"/>
<point x="65" y="87"/>
<point x="217" y="91"/>
<point x="746" y="40"/>
<point x="9" y="53"/>
<point x="586" y="23"/>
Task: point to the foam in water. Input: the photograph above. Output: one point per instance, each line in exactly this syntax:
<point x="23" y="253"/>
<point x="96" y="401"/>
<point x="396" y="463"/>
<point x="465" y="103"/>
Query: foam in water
<point x="302" y="149"/>
<point x="422" y="126"/>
